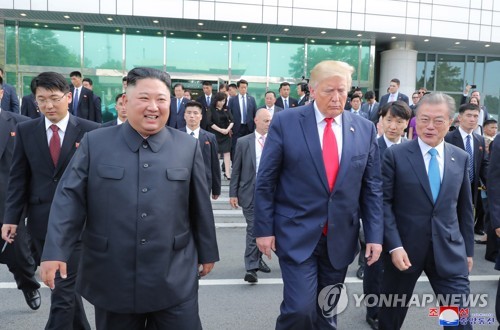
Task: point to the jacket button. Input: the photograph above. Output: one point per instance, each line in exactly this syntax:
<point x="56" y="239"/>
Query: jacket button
<point x="143" y="215"/>
<point x="145" y="165"/>
<point x="145" y="145"/>
<point x="56" y="179"/>
<point x="144" y="190"/>
<point x="143" y="241"/>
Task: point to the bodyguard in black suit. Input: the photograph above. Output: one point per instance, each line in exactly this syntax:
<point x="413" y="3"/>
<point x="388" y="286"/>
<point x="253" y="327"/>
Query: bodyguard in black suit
<point x="208" y="146"/>
<point x="43" y="149"/>
<point x="177" y="107"/>
<point x="29" y="108"/>
<point x="206" y="101"/>
<point x="82" y="102"/>
<point x="17" y="256"/>
<point x="10" y="102"/>
<point x="478" y="166"/>
<point x="284" y="101"/>
<point x="121" y="112"/>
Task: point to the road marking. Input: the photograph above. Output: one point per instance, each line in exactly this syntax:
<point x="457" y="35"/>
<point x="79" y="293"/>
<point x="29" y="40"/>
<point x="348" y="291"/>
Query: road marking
<point x="230" y="225"/>
<point x="273" y="281"/>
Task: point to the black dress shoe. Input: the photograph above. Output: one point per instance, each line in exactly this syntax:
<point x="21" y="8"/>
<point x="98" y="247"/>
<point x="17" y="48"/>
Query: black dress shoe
<point x="361" y="272"/>
<point x="478" y="241"/>
<point x="33" y="299"/>
<point x="251" y="276"/>
<point x="263" y="267"/>
<point x="479" y="232"/>
<point x="372" y="322"/>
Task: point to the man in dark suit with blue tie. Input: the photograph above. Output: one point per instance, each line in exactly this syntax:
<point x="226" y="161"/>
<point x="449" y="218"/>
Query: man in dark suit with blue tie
<point x="243" y="108"/>
<point x="427" y="213"/>
<point x="466" y="139"/>
<point x="42" y="151"/>
<point x="206" y="100"/>
<point x="82" y="103"/>
<point x="177" y="106"/>
<point x="394" y="94"/>
<point x="10" y="102"/>
<point x="319" y="169"/>
<point x="284" y="101"/>
<point x="208" y="146"/>
<point x="371" y="107"/>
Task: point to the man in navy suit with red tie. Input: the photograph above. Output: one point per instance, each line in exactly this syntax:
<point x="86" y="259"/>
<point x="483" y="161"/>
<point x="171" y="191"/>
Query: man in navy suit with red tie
<point x="319" y="169"/>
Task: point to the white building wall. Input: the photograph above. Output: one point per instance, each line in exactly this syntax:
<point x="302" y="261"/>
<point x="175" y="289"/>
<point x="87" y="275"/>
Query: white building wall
<point x="457" y="19"/>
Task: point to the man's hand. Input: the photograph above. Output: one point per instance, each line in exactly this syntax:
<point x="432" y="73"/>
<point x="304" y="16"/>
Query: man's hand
<point x="234" y="202"/>
<point x="214" y="197"/>
<point x="48" y="271"/>
<point x="372" y="253"/>
<point x="497" y="231"/>
<point x="400" y="259"/>
<point x="467" y="89"/>
<point x="205" y="268"/>
<point x="470" y="263"/>
<point x="266" y="244"/>
<point x="9" y="232"/>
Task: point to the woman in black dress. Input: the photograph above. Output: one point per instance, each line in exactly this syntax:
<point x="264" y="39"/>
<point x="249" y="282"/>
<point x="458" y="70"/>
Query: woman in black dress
<point x="220" y="122"/>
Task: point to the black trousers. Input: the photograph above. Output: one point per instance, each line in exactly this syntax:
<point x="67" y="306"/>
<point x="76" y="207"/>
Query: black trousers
<point x="66" y="305"/>
<point x="184" y="316"/>
<point x="18" y="258"/>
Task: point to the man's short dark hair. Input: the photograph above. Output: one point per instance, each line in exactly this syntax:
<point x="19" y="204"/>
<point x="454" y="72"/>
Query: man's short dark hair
<point x="140" y="73"/>
<point x="241" y="81"/>
<point x="356" y="96"/>
<point x="284" y="84"/>
<point x="207" y="83"/>
<point x="396" y="109"/>
<point x="75" y="74"/>
<point x="270" y="92"/>
<point x="52" y="81"/>
<point x="222" y="85"/>
<point x="124" y="78"/>
<point x="396" y="80"/>
<point x="195" y="104"/>
<point x="369" y="95"/>
<point x="468" y="106"/>
<point x="88" y="80"/>
<point x="489" y="122"/>
<point x="119" y="96"/>
<point x="1" y="83"/>
<point x="232" y="85"/>
<point x="179" y="84"/>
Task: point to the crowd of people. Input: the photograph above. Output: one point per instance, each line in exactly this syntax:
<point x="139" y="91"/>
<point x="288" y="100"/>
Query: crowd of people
<point x="309" y="174"/>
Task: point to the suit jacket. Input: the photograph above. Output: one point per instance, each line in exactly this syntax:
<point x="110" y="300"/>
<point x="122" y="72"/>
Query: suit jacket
<point x="413" y="221"/>
<point x="292" y="103"/>
<point x="401" y="97"/>
<point x="480" y="158"/>
<point x="361" y="113"/>
<point x="242" y="184"/>
<point x="301" y="101"/>
<point x="234" y="107"/>
<point x="294" y="209"/>
<point x="373" y="115"/>
<point x="8" y="123"/>
<point x="86" y="107"/>
<point x="33" y="177"/>
<point x="110" y="123"/>
<point x="146" y="217"/>
<point x="176" y="118"/>
<point x="29" y="108"/>
<point x="203" y="100"/>
<point x="494" y="186"/>
<point x="210" y="152"/>
<point x="276" y="109"/>
<point x="382" y="146"/>
<point x="10" y="102"/>
<point x="97" y="108"/>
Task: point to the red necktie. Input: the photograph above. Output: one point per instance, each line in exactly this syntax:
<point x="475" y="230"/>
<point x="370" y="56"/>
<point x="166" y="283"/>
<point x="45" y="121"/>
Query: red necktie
<point x="330" y="158"/>
<point x="55" y="144"/>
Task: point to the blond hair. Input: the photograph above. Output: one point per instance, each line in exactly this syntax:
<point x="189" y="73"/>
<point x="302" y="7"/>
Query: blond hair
<point x="327" y="69"/>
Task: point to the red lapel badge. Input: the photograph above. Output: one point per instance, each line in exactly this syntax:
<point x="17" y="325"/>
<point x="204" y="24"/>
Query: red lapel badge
<point x="207" y="142"/>
<point x="12" y="133"/>
<point x="77" y="144"/>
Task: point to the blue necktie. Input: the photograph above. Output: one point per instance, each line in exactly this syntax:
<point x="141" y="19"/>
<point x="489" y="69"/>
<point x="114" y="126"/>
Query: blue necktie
<point x="468" y="148"/>
<point x="208" y="101"/>
<point x="286" y="103"/>
<point x="244" y="119"/>
<point x="178" y="105"/>
<point x="434" y="176"/>
<point x="75" y="103"/>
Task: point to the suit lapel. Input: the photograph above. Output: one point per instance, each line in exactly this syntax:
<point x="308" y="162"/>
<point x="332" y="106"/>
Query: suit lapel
<point x="478" y="156"/>
<point x="451" y="171"/>
<point x="5" y="130"/>
<point x="310" y="131"/>
<point x="70" y="137"/>
<point x="347" y="140"/>
<point x="41" y="140"/>
<point x="253" y="152"/>
<point x="418" y="165"/>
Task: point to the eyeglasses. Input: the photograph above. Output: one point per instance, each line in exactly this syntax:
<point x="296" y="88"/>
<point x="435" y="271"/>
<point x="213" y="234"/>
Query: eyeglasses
<point x="437" y="122"/>
<point x="52" y="100"/>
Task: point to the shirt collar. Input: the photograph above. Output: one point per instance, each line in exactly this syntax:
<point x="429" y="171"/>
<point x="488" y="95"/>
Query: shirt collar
<point x="62" y="124"/>
<point x="257" y="135"/>
<point x="320" y="117"/>
<point x="196" y="131"/>
<point x="389" y="143"/>
<point x="424" y="147"/>
<point x="464" y="133"/>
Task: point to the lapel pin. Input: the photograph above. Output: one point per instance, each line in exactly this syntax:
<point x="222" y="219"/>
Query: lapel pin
<point x="207" y="142"/>
<point x="77" y="144"/>
<point x="480" y="148"/>
<point x="352" y="129"/>
<point x="12" y="133"/>
<point x="453" y="159"/>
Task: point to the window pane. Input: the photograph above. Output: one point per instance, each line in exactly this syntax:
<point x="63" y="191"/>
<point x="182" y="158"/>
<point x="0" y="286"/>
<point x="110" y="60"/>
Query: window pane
<point x="450" y="73"/>
<point x="249" y="56"/>
<point x="107" y="88"/>
<point x="420" y="82"/>
<point x="479" y="73"/>
<point x="144" y="50"/>
<point x="257" y="90"/>
<point x="103" y="49"/>
<point x="46" y="47"/>
<point x="287" y="58"/>
<point x="10" y="44"/>
<point x="206" y="54"/>
<point x="430" y="72"/>
<point x="365" y="62"/>
<point x="490" y="93"/>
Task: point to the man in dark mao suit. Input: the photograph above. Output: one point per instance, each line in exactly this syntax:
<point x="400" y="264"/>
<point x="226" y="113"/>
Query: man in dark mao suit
<point x="34" y="176"/>
<point x="144" y="250"/>
<point x="427" y="213"/>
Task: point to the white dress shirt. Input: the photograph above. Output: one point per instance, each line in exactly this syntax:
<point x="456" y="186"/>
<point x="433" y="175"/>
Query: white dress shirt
<point x="196" y="132"/>
<point x="390" y="143"/>
<point x="63" y="125"/>
<point x="336" y="127"/>
<point x="258" y="150"/>
<point x="118" y="121"/>
<point x="424" y="148"/>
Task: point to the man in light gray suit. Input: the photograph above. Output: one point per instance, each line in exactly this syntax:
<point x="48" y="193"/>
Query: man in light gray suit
<point x="241" y="190"/>
<point x="141" y="200"/>
<point x="370" y="107"/>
